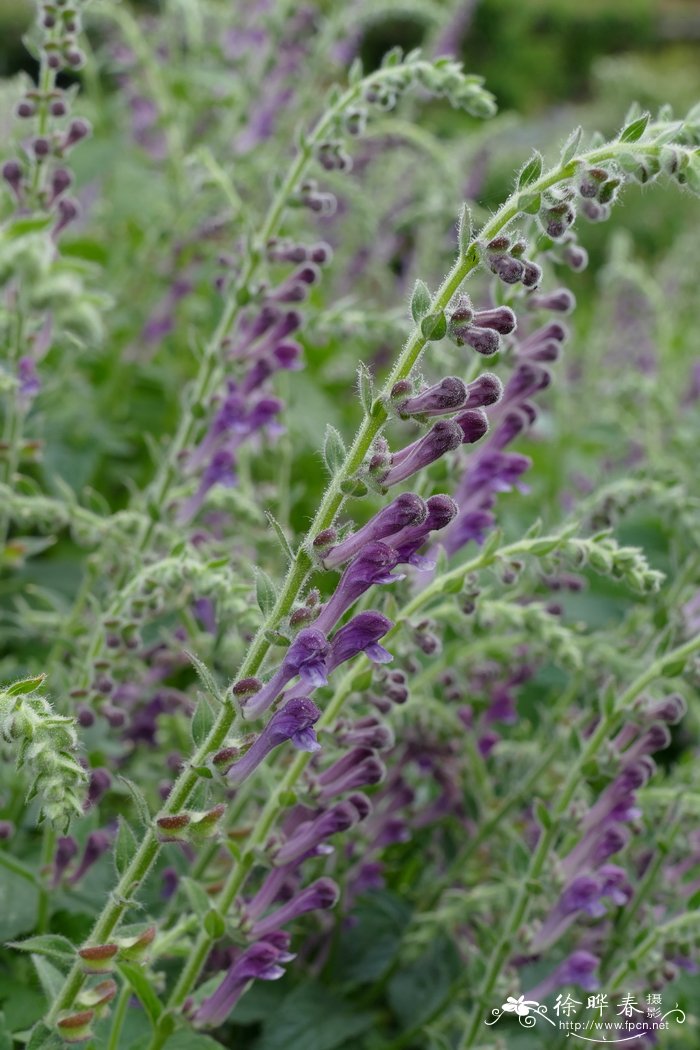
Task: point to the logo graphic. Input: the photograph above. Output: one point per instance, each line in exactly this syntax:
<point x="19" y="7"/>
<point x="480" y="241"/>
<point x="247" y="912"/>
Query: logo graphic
<point x="629" y="1023"/>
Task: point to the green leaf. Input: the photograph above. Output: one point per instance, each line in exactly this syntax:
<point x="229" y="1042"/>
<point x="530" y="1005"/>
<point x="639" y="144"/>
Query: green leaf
<point x="334" y="452"/>
<point x="417" y="991"/>
<point x="312" y="1017"/>
<point x="53" y="945"/>
<point x="50" y="979"/>
<point x="143" y="989"/>
<point x="139" y="798"/>
<point x="188" y="1040"/>
<point x="368" y="949"/>
<point x="125" y="847"/>
<point x="530" y="171"/>
<point x="365" y="387"/>
<point x="26" y="685"/>
<point x="202" y="721"/>
<point x="32" y="224"/>
<point x="634" y="131"/>
<point x="197" y="896"/>
<point x="434" y="327"/>
<point x="265" y="592"/>
<point x="571" y="146"/>
<point x="44" y="1038"/>
<point x="5" y="1034"/>
<point x="18" y="903"/>
<point x="420" y="301"/>
<point x="280" y="534"/>
<point x="204" y="673"/>
<point x="355" y="71"/>
<point x="465" y="229"/>
<point x="214" y="924"/>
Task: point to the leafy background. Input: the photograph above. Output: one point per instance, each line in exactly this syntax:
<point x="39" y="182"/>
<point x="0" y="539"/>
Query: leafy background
<point x="551" y="65"/>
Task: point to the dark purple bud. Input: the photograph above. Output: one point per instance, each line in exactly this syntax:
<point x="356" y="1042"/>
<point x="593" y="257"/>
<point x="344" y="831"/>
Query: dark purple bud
<point x="68" y="210"/>
<point x="75" y="58"/>
<point x="446" y="396"/>
<point x="25" y="109"/>
<point x="53" y="60"/>
<point x="100" y="782"/>
<point x="60" y="181"/>
<point x="320" y="895"/>
<point x="309" y="835"/>
<point x="575" y="257"/>
<point x="356" y="769"/>
<point x="485" y="390"/>
<point x="288" y="356"/>
<point x="501" y="318"/>
<point x="370" y="732"/>
<point x="78" y="129"/>
<point x="557" y="219"/>
<point x="66" y="849"/>
<point x="7" y="830"/>
<point x="320" y="253"/>
<point x="528" y="379"/>
<point x="294" y="721"/>
<point x="441" y="438"/>
<point x="41" y="147"/>
<point x="58" y="108"/>
<point x="532" y="274"/>
<point x="361" y="804"/>
<point x="371" y="566"/>
<point x="506" y="268"/>
<point x="441" y="510"/>
<point x="305" y="657"/>
<point x="98" y="842"/>
<point x="656" y="738"/>
<point x="473" y="424"/>
<point x="407" y="509"/>
<point x="13" y="175"/>
<point x="671" y="710"/>
<point x="561" y="301"/>
<point x="485" y="341"/>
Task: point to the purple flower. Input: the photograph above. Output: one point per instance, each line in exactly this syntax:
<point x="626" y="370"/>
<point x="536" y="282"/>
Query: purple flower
<point x="449" y="395"/>
<point x="306" y="657"/>
<point x="307" y="837"/>
<point x="360" y="635"/>
<point x="320" y="895"/>
<point x="441" y="511"/>
<point x="29" y="382"/>
<point x="485" y="390"/>
<point x="100" y="782"/>
<point x="371" y="566"/>
<point x="473" y="424"/>
<point x="357" y="769"/>
<point x="98" y="842"/>
<point x="259" y="962"/>
<point x="560" y="301"/>
<point x="579" y="968"/>
<point x="294" y="721"/>
<point x="66" y="849"/>
<point x="582" y="894"/>
<point x="441" y="438"/>
<point x="404" y="511"/>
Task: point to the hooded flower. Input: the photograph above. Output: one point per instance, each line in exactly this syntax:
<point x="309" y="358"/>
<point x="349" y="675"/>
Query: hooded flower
<point x="261" y="962"/>
<point x="294" y="721"/>
<point x="402" y="512"/>
<point x="306" y="657"/>
<point x="371" y="566"/>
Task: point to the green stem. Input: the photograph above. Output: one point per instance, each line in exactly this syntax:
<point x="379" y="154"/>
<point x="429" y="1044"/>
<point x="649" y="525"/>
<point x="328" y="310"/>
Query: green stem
<point x="48" y="847"/>
<point x="119" y="1017"/>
